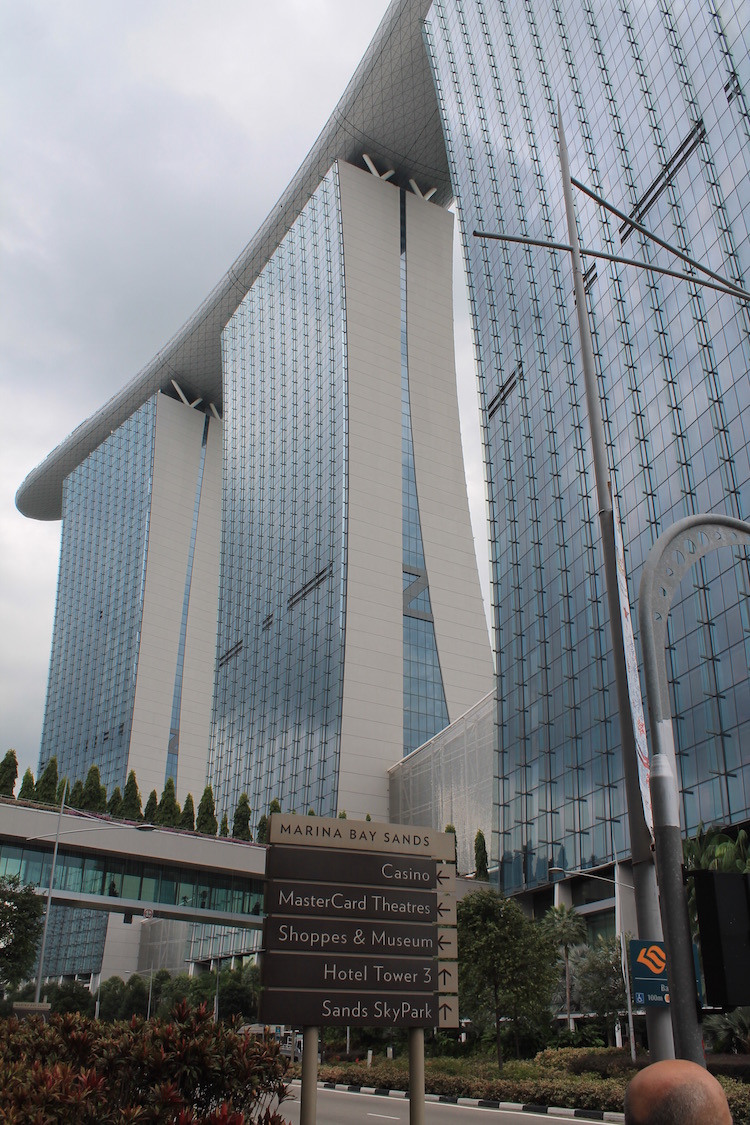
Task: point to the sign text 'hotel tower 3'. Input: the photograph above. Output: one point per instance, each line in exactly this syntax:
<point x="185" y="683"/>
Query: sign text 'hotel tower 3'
<point x="360" y="925"/>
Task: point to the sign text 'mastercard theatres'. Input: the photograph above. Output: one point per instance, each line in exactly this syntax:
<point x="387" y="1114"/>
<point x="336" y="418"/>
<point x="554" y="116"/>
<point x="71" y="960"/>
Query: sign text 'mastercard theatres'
<point x="361" y="835"/>
<point x="329" y="935"/>
<point x="330" y="901"/>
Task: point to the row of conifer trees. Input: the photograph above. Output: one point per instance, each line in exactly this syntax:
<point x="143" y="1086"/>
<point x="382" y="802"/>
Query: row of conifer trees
<point x="165" y="812"/>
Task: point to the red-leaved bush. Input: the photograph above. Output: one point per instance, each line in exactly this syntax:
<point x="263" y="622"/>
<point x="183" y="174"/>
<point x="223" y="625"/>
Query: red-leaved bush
<point x="186" y="1070"/>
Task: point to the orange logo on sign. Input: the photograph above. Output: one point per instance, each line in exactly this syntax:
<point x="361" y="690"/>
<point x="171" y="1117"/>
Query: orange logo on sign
<point x="653" y="958"/>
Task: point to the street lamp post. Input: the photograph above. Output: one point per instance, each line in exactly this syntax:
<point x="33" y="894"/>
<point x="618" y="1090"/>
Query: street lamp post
<point x="43" y="943"/>
<point x="48" y="896"/>
<point x="658" y="1022"/>
<point x="673" y="554"/>
<point x="661" y="1041"/>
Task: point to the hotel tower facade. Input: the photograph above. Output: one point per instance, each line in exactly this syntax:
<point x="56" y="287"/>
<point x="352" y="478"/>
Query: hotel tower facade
<point x="323" y="506"/>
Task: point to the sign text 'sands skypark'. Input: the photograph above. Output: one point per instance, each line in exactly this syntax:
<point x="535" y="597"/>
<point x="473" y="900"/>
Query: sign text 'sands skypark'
<point x="360" y="925"/>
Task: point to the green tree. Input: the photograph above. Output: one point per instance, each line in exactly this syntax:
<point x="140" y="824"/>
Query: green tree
<point x="63" y="787"/>
<point x="134" y="998"/>
<point x="238" y="993"/>
<point x="481" y="866"/>
<point x="114" y="804"/>
<point x="28" y="789"/>
<point x="152" y="805"/>
<point x="241" y="822"/>
<point x="46" y="786"/>
<point x="261" y="832"/>
<point x="567" y="928"/>
<point x="8" y="774"/>
<point x="72" y="997"/>
<point x="94" y="793"/>
<point x="75" y="797"/>
<point x="224" y="827"/>
<point x="452" y="829"/>
<point x="110" y="998"/>
<point x="598" y="981"/>
<point x="20" y="929"/>
<point x="506" y="966"/>
<point x="729" y="1032"/>
<point x="275" y="806"/>
<point x="205" y="820"/>
<point x="131" y="800"/>
<point x="187" y="820"/>
<point x="713" y="849"/>
<point x="168" y="813"/>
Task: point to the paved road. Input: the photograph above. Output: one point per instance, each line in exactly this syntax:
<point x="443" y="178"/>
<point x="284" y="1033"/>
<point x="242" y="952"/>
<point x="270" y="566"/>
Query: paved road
<point x="337" y="1107"/>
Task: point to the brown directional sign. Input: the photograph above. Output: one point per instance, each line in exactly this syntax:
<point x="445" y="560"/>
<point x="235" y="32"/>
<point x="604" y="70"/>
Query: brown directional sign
<point x="327" y="935"/>
<point x="358" y="1009"/>
<point x="331" y="900"/>
<point x="360" y="925"/>
<point x="362" y="868"/>
<point x="361" y="835"/>
<point x="316" y="970"/>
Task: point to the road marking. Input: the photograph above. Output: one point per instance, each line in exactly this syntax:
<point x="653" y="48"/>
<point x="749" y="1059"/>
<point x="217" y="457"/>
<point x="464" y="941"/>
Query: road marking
<point x="384" y="1116"/>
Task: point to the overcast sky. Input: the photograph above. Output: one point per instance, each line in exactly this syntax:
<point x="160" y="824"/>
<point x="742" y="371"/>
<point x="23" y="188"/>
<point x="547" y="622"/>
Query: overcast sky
<point x="142" y="143"/>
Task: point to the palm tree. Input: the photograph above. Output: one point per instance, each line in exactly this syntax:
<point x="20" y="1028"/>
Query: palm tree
<point x="567" y="928"/>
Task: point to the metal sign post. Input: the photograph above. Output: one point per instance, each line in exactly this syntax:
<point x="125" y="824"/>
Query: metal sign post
<point x="359" y="932"/>
<point x="309" y="1096"/>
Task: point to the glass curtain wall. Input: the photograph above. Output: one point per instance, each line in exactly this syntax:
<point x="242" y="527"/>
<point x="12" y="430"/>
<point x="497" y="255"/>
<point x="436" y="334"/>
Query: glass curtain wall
<point x="277" y="700"/>
<point x="91" y="690"/>
<point x="656" y="118"/>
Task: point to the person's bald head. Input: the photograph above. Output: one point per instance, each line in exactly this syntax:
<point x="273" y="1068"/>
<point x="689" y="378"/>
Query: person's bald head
<point x="675" y="1092"/>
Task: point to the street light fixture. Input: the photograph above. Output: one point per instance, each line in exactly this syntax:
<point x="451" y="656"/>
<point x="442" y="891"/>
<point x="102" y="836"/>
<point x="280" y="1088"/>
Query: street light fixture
<point x="48" y="897"/>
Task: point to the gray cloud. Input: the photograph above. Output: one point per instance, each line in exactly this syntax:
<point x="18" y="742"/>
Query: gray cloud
<point x="143" y="143"/>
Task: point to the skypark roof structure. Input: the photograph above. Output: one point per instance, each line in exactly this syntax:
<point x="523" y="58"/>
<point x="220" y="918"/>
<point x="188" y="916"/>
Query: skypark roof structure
<point x="389" y="111"/>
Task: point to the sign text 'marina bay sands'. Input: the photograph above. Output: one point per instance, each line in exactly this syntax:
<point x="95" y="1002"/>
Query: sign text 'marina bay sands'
<point x="360" y="925"/>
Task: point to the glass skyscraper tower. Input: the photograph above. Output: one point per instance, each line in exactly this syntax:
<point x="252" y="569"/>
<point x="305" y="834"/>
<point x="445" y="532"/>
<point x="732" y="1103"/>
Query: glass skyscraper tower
<point x="652" y="97"/>
<point x="347" y="597"/>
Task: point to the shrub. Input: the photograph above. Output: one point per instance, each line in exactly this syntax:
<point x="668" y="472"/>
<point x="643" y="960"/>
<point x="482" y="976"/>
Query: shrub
<point x="738" y="1096"/>
<point x="182" y="1071"/>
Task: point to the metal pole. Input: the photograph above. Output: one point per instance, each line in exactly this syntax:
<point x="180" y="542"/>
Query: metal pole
<point x="416" y="1076"/>
<point x="38" y="990"/>
<point x="624" y="960"/>
<point x="216" y="996"/>
<point x="644" y="877"/>
<point x="309" y="1095"/>
<point x="674" y="553"/>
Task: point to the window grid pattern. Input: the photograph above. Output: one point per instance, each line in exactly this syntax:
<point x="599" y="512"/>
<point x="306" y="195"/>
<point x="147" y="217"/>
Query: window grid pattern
<point x="91" y="689"/>
<point x="95" y="640"/>
<point x="277" y="704"/>
<point x="672" y="362"/>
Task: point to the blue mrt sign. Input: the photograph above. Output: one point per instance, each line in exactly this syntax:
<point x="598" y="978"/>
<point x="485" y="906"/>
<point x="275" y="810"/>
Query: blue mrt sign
<point x="648" y="973"/>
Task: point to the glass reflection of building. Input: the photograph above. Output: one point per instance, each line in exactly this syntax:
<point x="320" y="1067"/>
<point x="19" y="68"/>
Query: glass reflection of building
<point x="345" y="532"/>
<point x="329" y="666"/>
<point x="653" y="100"/>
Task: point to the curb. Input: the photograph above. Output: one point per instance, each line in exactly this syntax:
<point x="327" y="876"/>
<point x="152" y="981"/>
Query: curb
<point x="480" y="1103"/>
